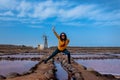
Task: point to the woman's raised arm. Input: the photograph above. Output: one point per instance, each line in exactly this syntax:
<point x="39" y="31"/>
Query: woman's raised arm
<point x="53" y="29"/>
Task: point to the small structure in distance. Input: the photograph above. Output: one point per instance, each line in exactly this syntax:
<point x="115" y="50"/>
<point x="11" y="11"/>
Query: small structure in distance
<point x="40" y="47"/>
<point x="45" y="42"/>
<point x="45" y="46"/>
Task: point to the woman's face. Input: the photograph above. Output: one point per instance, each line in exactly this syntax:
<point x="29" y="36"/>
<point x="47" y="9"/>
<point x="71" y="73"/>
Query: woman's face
<point x="63" y="36"/>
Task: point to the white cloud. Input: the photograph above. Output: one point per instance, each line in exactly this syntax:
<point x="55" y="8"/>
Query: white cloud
<point x="8" y="4"/>
<point x="105" y="16"/>
<point x="34" y="26"/>
<point x="47" y="9"/>
<point x="62" y="11"/>
<point x="8" y="13"/>
<point x="24" y="8"/>
<point x="6" y="18"/>
<point x="44" y="12"/>
<point x="77" y="12"/>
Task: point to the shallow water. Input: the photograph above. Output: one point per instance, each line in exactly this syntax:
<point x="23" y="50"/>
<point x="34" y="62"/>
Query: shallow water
<point x="97" y="55"/>
<point x="23" y="55"/>
<point x="116" y="55"/>
<point x="89" y="55"/>
<point x="18" y="66"/>
<point x="106" y="66"/>
<point x="61" y="74"/>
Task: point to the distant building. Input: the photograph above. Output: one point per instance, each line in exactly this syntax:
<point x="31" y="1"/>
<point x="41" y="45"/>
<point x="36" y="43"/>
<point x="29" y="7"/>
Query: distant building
<point x="45" y="41"/>
<point x="40" y="47"/>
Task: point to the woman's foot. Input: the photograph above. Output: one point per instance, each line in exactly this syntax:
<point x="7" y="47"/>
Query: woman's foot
<point x="69" y="62"/>
<point x="45" y="61"/>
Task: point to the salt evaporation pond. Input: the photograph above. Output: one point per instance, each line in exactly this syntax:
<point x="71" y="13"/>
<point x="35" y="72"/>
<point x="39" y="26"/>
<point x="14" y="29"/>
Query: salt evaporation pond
<point x="17" y="66"/>
<point x="104" y="66"/>
<point x="96" y="55"/>
<point x="90" y="55"/>
<point x="115" y="55"/>
<point x="23" y="55"/>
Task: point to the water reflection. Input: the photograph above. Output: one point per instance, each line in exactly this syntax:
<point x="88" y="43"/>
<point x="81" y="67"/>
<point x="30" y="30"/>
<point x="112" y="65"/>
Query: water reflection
<point x="18" y="66"/>
<point x="61" y="73"/>
<point x="106" y="66"/>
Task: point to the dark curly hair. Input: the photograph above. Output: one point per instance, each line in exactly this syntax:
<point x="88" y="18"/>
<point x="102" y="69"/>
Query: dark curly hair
<point x="64" y="35"/>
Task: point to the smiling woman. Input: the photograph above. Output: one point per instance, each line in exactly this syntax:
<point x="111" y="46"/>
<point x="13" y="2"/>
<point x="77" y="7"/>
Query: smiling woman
<point x="62" y="45"/>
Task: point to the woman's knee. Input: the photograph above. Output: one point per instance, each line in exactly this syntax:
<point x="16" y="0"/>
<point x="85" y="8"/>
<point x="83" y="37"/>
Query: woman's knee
<point x="68" y="53"/>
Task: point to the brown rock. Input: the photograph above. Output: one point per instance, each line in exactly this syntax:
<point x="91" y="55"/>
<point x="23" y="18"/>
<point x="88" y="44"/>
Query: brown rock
<point x="78" y="76"/>
<point x="12" y="75"/>
<point x="2" y="77"/>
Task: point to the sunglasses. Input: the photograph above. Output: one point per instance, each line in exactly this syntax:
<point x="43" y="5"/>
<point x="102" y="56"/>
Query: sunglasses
<point x="63" y="34"/>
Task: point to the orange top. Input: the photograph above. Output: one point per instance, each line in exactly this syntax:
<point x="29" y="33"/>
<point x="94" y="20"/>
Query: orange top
<point x="61" y="44"/>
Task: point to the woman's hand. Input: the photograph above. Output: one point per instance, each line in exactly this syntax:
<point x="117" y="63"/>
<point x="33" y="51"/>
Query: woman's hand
<point x="53" y="28"/>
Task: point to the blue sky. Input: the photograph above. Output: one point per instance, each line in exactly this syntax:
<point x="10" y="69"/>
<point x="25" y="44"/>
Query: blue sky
<point x="86" y="22"/>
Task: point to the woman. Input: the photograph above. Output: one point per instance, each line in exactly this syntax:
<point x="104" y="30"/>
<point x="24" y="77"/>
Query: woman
<point x="62" y="45"/>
